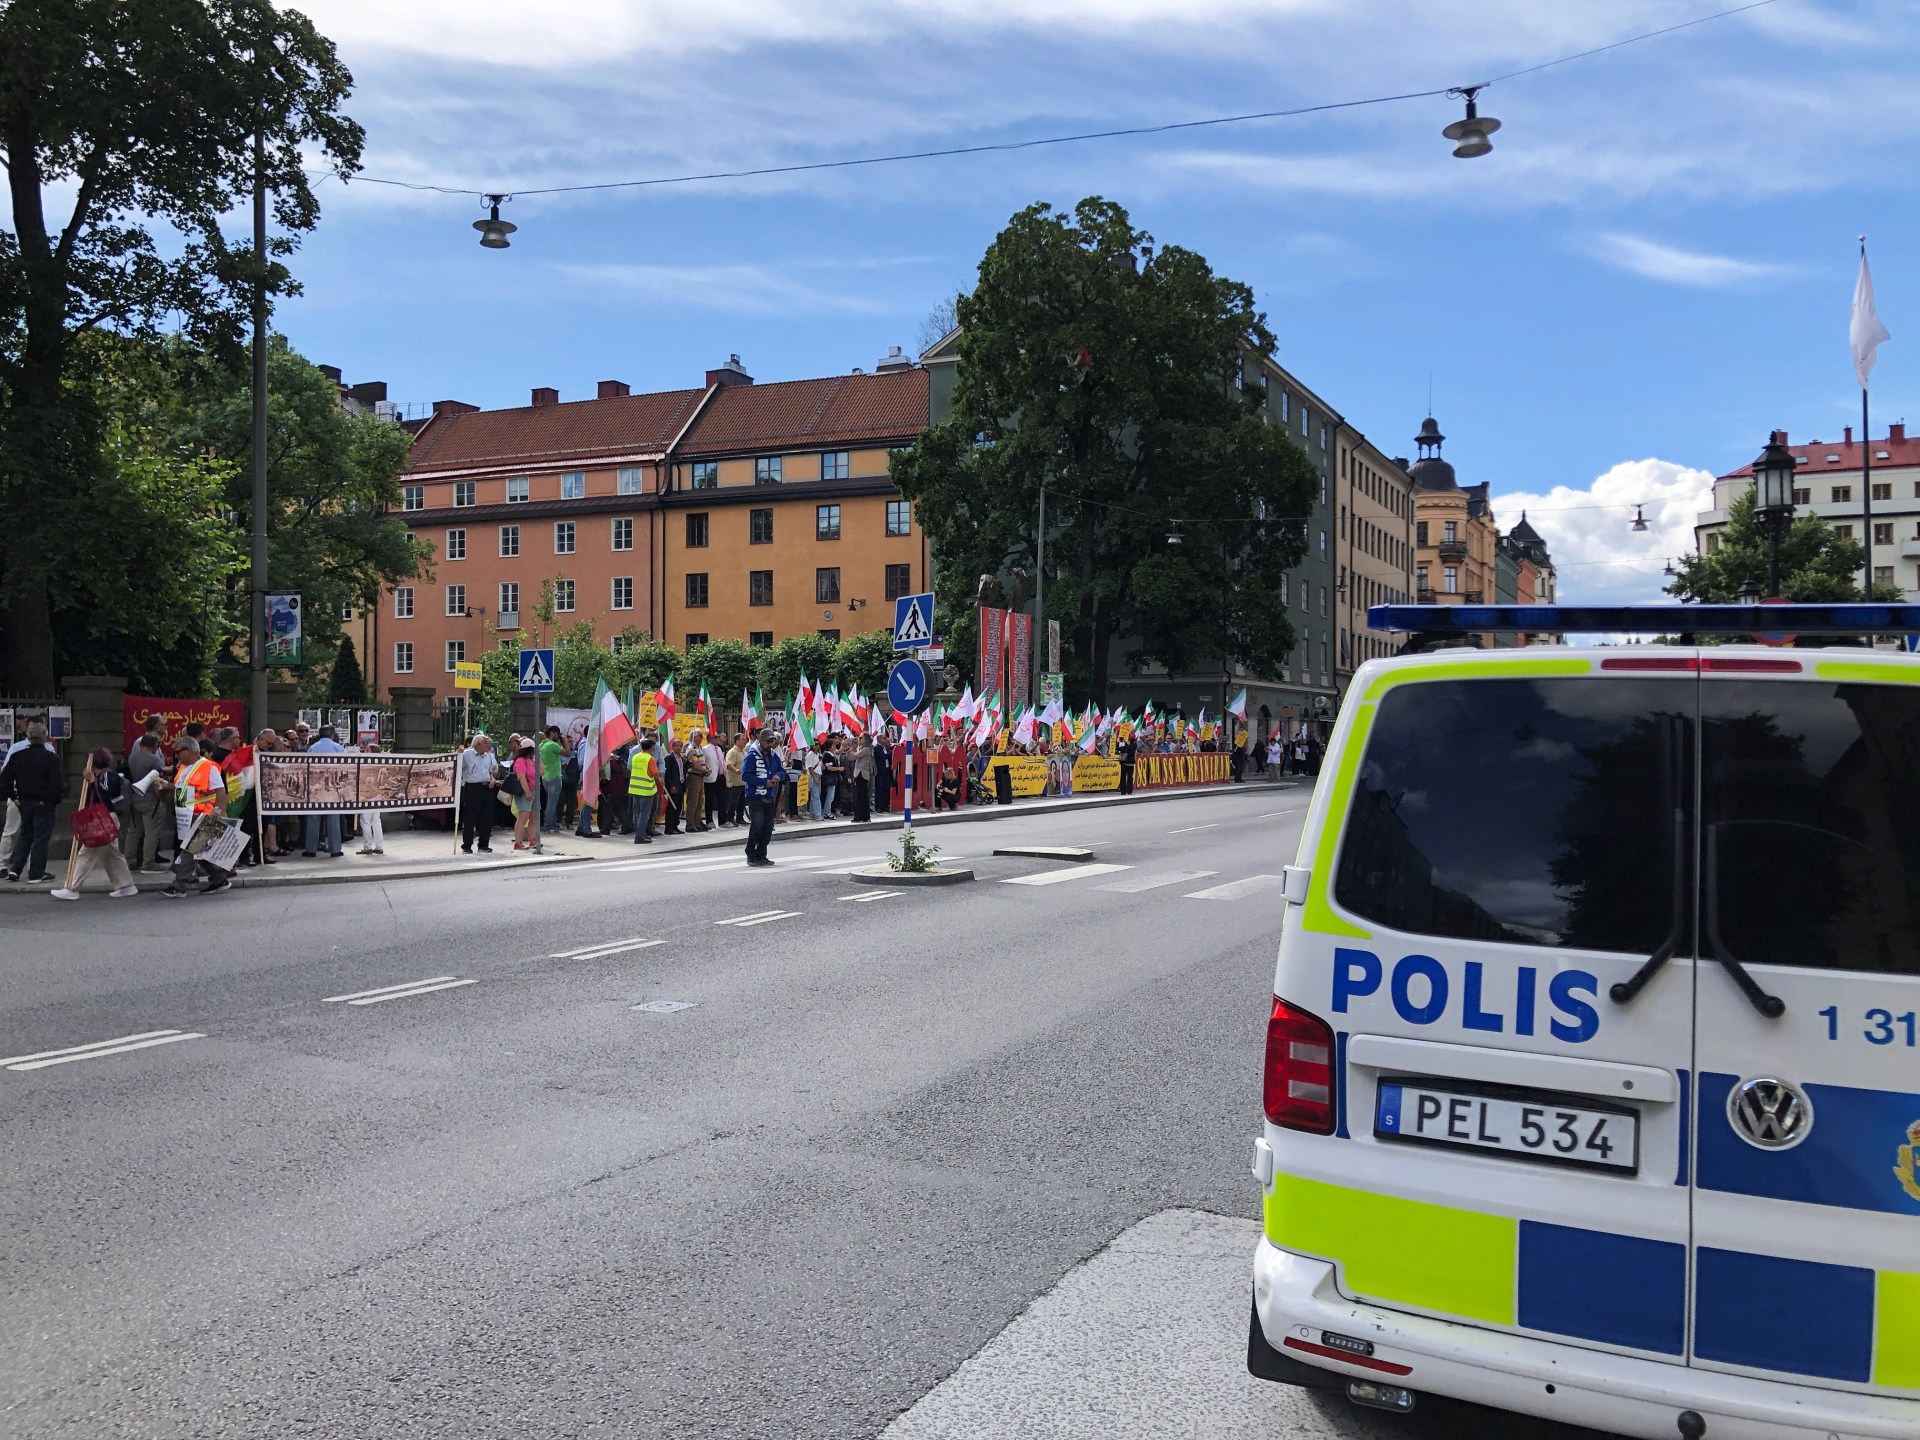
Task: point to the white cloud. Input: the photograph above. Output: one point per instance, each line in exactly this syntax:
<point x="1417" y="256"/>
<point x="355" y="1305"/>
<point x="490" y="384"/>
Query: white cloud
<point x="1674" y="266"/>
<point x="734" y="289"/>
<point x="1601" y="559"/>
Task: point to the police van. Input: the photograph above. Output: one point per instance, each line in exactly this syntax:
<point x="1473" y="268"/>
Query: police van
<point x="1592" y="1080"/>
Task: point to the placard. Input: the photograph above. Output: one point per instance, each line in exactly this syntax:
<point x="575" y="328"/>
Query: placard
<point x="175" y="716"/>
<point x="1095" y="772"/>
<point x="309" y="784"/>
<point x="1029" y="773"/>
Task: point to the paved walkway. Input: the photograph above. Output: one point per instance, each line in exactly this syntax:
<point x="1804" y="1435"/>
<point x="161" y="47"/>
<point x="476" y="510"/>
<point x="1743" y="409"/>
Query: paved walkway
<point x="412" y="854"/>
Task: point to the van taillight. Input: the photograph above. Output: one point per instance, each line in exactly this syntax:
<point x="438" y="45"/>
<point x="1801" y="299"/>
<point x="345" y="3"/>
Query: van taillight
<point x="1299" y="1075"/>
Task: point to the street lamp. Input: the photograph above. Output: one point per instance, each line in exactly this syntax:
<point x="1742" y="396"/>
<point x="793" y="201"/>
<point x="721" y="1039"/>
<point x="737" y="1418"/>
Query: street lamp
<point x="1470" y="136"/>
<point x="1749" y="592"/>
<point x="1773" y="476"/>
<point x="493" y="230"/>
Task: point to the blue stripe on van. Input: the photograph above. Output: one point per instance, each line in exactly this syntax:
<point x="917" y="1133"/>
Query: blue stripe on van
<point x="1340" y="1085"/>
<point x="1616" y="1289"/>
<point x="1686" y="1127"/>
<point x="1797" y="1316"/>
<point x="1846" y="1160"/>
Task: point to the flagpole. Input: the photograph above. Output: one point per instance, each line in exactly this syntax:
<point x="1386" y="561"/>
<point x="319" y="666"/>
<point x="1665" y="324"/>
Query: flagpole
<point x="1866" y="486"/>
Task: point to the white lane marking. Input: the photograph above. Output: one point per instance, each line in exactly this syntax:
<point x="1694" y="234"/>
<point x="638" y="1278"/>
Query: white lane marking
<point x="1134" y="884"/>
<point x="1189" y="829"/>
<point x="766" y="919"/>
<point x="145" y="1040"/>
<point x="1072" y="872"/>
<point x="1275" y="814"/>
<point x="1235" y="889"/>
<point x="601" y="953"/>
<point x="597" y="945"/>
<point x="398" y="992"/>
<point x="751" y="915"/>
<point x="872" y="896"/>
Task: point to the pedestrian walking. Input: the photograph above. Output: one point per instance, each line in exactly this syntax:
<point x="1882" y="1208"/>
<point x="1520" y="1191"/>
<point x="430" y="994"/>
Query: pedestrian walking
<point x="552" y="757"/>
<point x="199" y="790"/>
<point x="694" y="758"/>
<point x="526" y="790"/>
<point x="100" y="785"/>
<point x="763" y="776"/>
<point x="33" y="784"/>
<point x="148" y="814"/>
<point x="479" y="778"/>
<point x="643" y="789"/>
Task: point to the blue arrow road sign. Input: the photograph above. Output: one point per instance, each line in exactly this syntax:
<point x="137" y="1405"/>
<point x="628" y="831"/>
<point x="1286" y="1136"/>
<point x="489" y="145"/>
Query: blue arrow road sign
<point x="907" y="686"/>
<point x="912" y="622"/>
<point x="536" y="672"/>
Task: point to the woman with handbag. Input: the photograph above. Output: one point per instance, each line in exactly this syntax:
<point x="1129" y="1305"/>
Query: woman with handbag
<point x="523" y="783"/>
<point x="104" y="796"/>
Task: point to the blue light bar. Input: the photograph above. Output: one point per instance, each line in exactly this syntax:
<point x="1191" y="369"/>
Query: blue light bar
<point x="1651" y="619"/>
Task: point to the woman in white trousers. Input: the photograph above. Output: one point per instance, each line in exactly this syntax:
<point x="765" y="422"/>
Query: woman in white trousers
<point x="100" y="783"/>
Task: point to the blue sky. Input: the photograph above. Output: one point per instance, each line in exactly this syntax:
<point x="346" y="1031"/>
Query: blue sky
<point x="1650" y="271"/>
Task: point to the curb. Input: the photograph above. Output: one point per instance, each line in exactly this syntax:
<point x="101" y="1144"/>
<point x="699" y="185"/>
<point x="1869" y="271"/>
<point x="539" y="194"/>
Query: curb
<point x="881" y="876"/>
<point x="1075" y="853"/>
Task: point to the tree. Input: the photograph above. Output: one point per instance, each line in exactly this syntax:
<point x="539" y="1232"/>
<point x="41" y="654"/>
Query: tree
<point x="939" y="321"/>
<point x="781" y="667"/>
<point x="864" y="660"/>
<point x="726" y="668"/>
<point x="644" y="663"/>
<point x="347" y="684"/>
<point x="139" y="123"/>
<point x="1816" y="565"/>
<point x="579" y="662"/>
<point x="1110" y="371"/>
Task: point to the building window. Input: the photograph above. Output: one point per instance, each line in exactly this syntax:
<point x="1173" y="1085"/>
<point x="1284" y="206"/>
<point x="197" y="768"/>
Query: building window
<point x="563" y="537"/>
<point x="826" y="585"/>
<point x="563" y="596"/>
<point x="456" y="600"/>
<point x="1842" y="494"/>
<point x="1883" y="575"/>
<point x="456" y="653"/>
<point x="760" y="527"/>
<point x="766" y="470"/>
<point x="623" y="533"/>
<point x="1713" y="543"/>
<point x="509" y="541"/>
<point x="509" y="598"/>
<point x="1883" y="532"/>
<point x="1420" y="533"/>
<point x="462" y="493"/>
<point x="1805" y="497"/>
<point x="899" y="581"/>
<point x="1843" y="532"/>
<point x="695" y="637"/>
<point x="826" y="522"/>
<point x="623" y="591"/>
<point x="403" y="602"/>
<point x="1451" y="532"/>
<point x="899" y="517"/>
<point x="759" y="587"/>
<point x="1420" y="577"/>
<point x="403" y="657"/>
<point x="1883" y="492"/>
<point x="519" y="487"/>
<point x="704" y="474"/>
<point x="456" y="544"/>
<point x="413" y="497"/>
<point x="1450" y="577"/>
<point x="833" y="635"/>
<point x="1323" y="434"/>
<point x="617" y="644"/>
<point x="760" y="639"/>
<point x="1286" y="402"/>
<point x="1323" y="599"/>
<point x="836" y="465"/>
<point x="1323" y="542"/>
<point x="1306" y="420"/>
<point x="573" y="485"/>
<point x="697" y="531"/>
<point x="697" y="590"/>
<point x="630" y="480"/>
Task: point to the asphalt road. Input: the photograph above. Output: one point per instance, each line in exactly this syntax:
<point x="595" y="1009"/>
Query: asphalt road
<point x="504" y="1202"/>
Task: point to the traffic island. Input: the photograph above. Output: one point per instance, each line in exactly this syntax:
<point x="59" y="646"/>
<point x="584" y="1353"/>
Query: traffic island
<point x="1047" y="852"/>
<point x="885" y="875"/>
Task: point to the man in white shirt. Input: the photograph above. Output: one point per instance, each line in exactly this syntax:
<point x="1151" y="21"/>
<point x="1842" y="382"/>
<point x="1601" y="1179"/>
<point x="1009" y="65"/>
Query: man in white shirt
<point x="479" y="778"/>
<point x="716" y="782"/>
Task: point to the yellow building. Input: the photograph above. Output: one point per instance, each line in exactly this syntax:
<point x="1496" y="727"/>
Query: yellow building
<point x="1455" y="535"/>
<point x="1376" y="551"/>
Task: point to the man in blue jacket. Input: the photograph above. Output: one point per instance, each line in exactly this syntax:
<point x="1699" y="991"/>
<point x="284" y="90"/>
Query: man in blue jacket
<point x="762" y="776"/>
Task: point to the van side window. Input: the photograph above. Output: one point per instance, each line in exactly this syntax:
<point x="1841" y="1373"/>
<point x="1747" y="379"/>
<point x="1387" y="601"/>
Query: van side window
<point x="1526" y="812"/>
<point x="1810" y="810"/>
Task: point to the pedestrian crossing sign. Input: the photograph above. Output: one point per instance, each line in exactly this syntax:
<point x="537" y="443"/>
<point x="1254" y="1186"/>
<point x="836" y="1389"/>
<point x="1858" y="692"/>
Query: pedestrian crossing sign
<point x="536" y="672"/>
<point x="912" y="622"/>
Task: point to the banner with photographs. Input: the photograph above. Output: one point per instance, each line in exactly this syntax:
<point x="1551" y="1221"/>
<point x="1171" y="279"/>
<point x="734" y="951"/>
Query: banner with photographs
<point x="331" y="784"/>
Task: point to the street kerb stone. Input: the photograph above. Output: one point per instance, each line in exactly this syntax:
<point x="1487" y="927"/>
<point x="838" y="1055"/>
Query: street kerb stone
<point x="1047" y="852"/>
<point x="882" y="875"/>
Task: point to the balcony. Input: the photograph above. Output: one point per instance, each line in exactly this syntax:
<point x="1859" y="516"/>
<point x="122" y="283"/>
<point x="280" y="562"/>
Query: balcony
<point x="1475" y="597"/>
<point x="1910" y="548"/>
<point x="508" y="620"/>
<point x="1425" y="597"/>
<point x="1452" y="552"/>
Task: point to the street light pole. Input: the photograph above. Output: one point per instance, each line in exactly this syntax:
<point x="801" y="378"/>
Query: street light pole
<point x="1040" y="595"/>
<point x="257" y="571"/>
<point x="1773" y="478"/>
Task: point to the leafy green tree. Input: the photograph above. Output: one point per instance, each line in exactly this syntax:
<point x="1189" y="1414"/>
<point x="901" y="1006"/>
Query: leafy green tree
<point x="1816" y="565"/>
<point x="782" y="666"/>
<point x="1110" y="371"/>
<point x="864" y="660"/>
<point x="127" y="132"/>
<point x="644" y="663"/>
<point x="492" y="703"/>
<point x="578" y="662"/>
<point x="725" y="667"/>
<point x="347" y="684"/>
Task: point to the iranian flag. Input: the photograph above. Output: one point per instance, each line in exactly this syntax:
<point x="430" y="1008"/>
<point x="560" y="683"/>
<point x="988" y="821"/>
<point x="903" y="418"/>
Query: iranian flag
<point x="982" y="731"/>
<point x="611" y="720"/>
<point x="850" y="715"/>
<point x="747" y="711"/>
<point x="806" y="692"/>
<point x="1238" y="705"/>
<point x="706" y="706"/>
<point x="664" y="698"/>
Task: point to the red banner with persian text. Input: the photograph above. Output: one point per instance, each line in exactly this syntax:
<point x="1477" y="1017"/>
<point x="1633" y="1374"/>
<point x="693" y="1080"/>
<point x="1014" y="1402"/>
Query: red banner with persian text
<point x="178" y="714"/>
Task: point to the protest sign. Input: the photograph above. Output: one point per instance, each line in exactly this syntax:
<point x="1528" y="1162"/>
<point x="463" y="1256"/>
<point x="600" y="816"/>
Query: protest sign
<point x="218" y="840"/>
<point x="175" y="715"/>
<point x="309" y="784"/>
<point x="1028" y="773"/>
<point x="1095" y="772"/>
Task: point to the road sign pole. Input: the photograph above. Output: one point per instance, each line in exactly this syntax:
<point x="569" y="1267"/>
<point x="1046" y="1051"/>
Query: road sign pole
<point x="907" y="829"/>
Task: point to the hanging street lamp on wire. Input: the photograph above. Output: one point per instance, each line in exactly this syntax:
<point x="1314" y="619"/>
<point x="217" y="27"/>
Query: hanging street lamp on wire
<point x="1470" y="136"/>
<point x="493" y="230"/>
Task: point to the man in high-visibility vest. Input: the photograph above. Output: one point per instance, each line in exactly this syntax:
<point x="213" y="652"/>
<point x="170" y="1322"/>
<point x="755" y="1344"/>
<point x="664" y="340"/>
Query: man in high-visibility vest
<point x="643" y="784"/>
<point x="198" y="789"/>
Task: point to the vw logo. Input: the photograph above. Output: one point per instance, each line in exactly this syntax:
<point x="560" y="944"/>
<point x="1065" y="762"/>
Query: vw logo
<point x="1769" y="1114"/>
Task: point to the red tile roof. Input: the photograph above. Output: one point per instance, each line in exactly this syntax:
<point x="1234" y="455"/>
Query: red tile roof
<point x="1903" y="452"/>
<point x="795" y="414"/>
<point x="545" y="435"/>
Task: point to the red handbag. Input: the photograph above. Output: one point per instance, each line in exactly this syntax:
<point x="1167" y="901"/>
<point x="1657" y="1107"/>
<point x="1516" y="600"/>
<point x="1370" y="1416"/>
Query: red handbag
<point x="94" y="826"/>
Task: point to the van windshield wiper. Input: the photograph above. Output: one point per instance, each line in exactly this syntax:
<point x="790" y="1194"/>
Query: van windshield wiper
<point x="1771" y="1006"/>
<point x="1623" y="991"/>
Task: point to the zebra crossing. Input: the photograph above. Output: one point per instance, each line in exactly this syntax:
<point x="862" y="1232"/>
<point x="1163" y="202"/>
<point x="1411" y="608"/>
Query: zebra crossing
<point x="1144" y="881"/>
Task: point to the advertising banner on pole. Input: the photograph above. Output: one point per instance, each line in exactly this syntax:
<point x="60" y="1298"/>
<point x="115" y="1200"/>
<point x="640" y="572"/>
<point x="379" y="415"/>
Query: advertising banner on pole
<point x="1053" y="644"/>
<point x="323" y="784"/>
<point x="1022" y="656"/>
<point x="987" y="677"/>
<point x="283" y="630"/>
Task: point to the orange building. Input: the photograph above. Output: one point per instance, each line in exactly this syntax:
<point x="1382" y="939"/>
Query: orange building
<point x="1455" y="535"/>
<point x="733" y="510"/>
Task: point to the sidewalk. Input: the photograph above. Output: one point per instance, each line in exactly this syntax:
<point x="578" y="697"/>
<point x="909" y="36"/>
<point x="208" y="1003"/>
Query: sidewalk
<point x="417" y="854"/>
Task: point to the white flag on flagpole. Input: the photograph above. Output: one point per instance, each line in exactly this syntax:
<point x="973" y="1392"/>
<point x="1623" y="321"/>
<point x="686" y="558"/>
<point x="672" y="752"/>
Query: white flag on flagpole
<point x="1865" y="332"/>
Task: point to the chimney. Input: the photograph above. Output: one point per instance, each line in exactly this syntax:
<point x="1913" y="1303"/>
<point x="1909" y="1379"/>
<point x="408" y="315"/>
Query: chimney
<point x="893" y="360"/>
<point x="731" y="373"/>
<point x="369" y="392"/>
<point x="332" y="372"/>
<point x="1846" y="432"/>
<point x="453" y="407"/>
<point x="613" y="389"/>
<point x="545" y="395"/>
<point x="1897" y="433"/>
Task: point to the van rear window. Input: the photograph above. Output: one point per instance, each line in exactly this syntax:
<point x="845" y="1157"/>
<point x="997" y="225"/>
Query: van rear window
<point x="1810" y="799"/>
<point x="1531" y="812"/>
